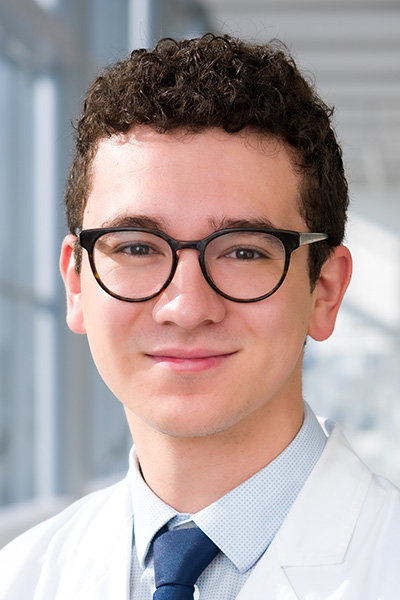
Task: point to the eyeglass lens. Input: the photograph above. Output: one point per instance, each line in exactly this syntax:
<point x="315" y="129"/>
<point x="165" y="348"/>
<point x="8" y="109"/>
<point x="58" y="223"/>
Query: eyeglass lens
<point x="137" y="264"/>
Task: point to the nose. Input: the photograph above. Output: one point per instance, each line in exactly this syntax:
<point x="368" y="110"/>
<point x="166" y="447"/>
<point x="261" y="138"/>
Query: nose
<point x="189" y="301"/>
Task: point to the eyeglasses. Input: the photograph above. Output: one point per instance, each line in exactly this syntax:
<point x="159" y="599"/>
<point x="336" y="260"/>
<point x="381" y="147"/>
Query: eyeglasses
<point x="241" y="264"/>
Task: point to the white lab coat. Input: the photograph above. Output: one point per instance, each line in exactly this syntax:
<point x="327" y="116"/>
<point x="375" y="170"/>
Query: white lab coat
<point x="340" y="541"/>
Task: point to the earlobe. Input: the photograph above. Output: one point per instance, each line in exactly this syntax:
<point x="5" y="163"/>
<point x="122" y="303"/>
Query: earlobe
<point x="72" y="282"/>
<point x="328" y="293"/>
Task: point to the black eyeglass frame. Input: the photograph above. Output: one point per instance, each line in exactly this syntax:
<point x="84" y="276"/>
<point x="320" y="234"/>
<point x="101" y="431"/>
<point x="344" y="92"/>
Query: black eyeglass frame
<point x="291" y="240"/>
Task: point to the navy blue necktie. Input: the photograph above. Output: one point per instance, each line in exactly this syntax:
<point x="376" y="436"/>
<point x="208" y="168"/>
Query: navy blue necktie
<point x="180" y="556"/>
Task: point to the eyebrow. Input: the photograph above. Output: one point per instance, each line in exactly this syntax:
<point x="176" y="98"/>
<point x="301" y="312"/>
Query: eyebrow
<point x="142" y="221"/>
<point x="254" y="223"/>
<point x="161" y="224"/>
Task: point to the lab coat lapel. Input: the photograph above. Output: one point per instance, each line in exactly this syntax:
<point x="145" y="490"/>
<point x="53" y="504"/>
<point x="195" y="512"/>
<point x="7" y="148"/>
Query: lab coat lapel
<point x="268" y="581"/>
<point x="111" y="579"/>
<point x="321" y="522"/>
<point x="108" y="543"/>
<point x="318" y="529"/>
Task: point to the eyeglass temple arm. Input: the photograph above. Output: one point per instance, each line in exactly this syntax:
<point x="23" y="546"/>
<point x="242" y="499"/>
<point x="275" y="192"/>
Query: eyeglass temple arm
<point x="310" y="238"/>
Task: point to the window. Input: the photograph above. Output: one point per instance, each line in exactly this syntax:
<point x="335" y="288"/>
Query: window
<point x="55" y="433"/>
<point x="17" y="298"/>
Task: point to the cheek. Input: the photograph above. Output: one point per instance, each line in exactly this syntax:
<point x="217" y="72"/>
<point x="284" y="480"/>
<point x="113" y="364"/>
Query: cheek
<point x="108" y="324"/>
<point x="101" y="311"/>
<point x="112" y="344"/>
<point x="280" y="327"/>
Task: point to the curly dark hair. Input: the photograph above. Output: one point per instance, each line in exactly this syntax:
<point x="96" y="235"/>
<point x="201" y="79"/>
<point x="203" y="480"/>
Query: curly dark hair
<point x="223" y="82"/>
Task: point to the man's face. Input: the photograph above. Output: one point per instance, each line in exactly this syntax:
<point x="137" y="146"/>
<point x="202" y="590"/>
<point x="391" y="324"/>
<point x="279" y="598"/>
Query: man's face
<point x="189" y="362"/>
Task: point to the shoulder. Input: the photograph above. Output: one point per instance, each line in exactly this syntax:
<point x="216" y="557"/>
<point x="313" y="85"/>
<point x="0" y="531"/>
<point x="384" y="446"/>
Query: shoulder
<point x="380" y="516"/>
<point x="79" y="513"/>
<point x="342" y="462"/>
<point x="373" y="555"/>
<point x="342" y="533"/>
<point x="58" y="540"/>
<point x="373" y="507"/>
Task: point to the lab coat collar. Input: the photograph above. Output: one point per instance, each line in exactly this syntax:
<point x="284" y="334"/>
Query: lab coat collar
<point x="319" y="526"/>
<point x="321" y="522"/>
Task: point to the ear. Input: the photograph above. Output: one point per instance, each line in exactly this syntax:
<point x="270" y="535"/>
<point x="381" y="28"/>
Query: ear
<point x="328" y="293"/>
<point x="72" y="282"/>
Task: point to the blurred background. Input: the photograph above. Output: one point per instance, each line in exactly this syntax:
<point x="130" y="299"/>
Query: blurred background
<point x="62" y="434"/>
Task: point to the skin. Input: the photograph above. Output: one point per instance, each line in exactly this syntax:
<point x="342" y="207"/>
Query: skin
<point x="211" y="388"/>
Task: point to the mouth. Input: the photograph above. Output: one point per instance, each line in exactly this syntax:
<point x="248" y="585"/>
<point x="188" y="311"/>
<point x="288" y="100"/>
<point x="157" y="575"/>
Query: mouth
<point x="189" y="361"/>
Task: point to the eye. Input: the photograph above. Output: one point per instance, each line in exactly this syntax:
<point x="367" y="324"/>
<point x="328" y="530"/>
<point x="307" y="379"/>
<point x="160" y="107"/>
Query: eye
<point x="123" y="245"/>
<point x="245" y="254"/>
<point x="136" y="249"/>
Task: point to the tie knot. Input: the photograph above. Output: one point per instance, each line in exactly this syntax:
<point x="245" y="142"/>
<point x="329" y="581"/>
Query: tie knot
<point x="180" y="556"/>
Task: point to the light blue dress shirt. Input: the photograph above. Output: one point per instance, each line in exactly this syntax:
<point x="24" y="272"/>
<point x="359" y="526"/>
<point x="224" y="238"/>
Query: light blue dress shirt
<point x="242" y="523"/>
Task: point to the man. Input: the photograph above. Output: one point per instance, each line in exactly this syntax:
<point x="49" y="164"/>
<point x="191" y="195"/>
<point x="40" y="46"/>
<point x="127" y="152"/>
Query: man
<point x="207" y="205"/>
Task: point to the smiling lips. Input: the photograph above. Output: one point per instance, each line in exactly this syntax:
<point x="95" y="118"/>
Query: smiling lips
<point x="189" y="361"/>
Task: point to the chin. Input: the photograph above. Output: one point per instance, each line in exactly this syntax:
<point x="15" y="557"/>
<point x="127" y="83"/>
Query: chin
<point x="176" y="429"/>
<point x="195" y="425"/>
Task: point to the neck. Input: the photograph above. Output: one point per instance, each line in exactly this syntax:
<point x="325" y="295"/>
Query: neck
<point x="189" y="473"/>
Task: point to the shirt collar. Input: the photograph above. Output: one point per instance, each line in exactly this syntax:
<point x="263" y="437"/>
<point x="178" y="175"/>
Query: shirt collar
<point x="243" y="522"/>
<point x="150" y="513"/>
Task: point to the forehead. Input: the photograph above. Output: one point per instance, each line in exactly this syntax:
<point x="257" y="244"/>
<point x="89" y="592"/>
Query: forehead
<point x="193" y="178"/>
